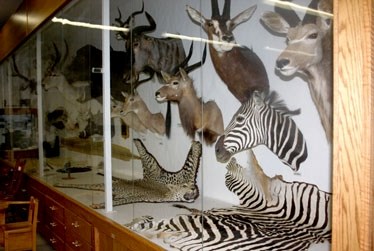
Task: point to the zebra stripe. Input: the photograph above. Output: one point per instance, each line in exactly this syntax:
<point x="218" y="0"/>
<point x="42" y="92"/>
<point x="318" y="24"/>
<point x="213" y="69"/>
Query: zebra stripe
<point x="273" y="215"/>
<point x="263" y="119"/>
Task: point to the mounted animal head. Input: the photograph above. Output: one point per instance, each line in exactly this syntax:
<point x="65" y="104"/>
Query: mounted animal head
<point x="220" y="27"/>
<point x="30" y="83"/>
<point x="149" y="53"/>
<point x="179" y="84"/>
<point x="264" y="120"/>
<point x="53" y="75"/>
<point x="133" y="103"/>
<point x="305" y="46"/>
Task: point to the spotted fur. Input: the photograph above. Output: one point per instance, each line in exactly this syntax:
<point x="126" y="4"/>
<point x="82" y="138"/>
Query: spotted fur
<point x="157" y="185"/>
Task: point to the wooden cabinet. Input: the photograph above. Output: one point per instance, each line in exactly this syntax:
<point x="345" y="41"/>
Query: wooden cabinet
<point x="69" y="225"/>
<point x="78" y="232"/>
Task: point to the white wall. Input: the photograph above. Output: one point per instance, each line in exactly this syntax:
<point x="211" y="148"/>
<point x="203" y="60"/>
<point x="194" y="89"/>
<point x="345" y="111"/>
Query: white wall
<point x="171" y="17"/>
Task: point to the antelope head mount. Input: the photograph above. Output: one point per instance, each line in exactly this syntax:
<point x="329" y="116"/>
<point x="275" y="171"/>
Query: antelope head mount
<point x="220" y="27"/>
<point x="238" y="66"/>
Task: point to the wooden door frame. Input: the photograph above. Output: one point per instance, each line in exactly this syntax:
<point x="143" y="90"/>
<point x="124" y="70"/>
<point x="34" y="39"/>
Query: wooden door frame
<point x="352" y="174"/>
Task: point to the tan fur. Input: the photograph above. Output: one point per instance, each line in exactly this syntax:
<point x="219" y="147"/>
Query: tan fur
<point x="312" y="57"/>
<point x="130" y="119"/>
<point x="154" y="122"/>
<point x="195" y="114"/>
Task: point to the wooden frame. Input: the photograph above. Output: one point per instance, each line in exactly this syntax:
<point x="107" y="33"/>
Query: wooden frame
<point x="353" y="185"/>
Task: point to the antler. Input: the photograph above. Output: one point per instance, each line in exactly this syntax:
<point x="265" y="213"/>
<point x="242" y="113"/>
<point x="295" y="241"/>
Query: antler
<point x="16" y="73"/>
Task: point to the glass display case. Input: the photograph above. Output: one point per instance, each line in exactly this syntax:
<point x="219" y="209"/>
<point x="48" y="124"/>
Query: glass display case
<point x="197" y="124"/>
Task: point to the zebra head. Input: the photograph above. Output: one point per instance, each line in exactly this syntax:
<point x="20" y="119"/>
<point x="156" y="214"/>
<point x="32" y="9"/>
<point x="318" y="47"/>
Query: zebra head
<point x="263" y="120"/>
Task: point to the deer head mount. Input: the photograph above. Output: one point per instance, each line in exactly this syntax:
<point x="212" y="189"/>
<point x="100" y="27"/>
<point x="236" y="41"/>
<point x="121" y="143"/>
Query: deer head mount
<point x="308" y="51"/>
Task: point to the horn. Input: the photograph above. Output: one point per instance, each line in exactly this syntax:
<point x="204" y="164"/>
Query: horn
<point x="226" y="10"/>
<point x="215" y="9"/>
<point x="310" y="17"/>
<point x="132" y="16"/>
<point x="31" y="82"/>
<point x="145" y="28"/>
<point x="119" y="18"/>
<point x="184" y="62"/>
<point x="198" y="64"/>
<point x="288" y="14"/>
<point x="63" y="60"/>
<point x="127" y="22"/>
<point x="56" y="59"/>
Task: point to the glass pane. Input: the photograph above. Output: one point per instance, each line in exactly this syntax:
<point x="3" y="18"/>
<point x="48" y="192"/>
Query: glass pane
<point x="246" y="156"/>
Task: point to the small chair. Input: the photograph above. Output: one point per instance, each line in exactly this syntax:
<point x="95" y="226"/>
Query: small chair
<point x="12" y="180"/>
<point x="19" y="235"/>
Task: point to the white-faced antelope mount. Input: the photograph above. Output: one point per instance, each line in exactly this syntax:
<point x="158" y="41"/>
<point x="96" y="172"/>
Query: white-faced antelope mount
<point x="308" y="51"/>
<point x="239" y="67"/>
<point x="195" y="115"/>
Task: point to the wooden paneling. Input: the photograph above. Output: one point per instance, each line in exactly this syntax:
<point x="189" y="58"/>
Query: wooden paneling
<point x="31" y="15"/>
<point x="353" y="203"/>
<point x="108" y="234"/>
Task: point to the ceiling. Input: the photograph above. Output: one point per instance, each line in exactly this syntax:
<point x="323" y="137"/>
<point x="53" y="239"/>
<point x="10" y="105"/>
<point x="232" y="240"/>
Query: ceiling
<point x="8" y="7"/>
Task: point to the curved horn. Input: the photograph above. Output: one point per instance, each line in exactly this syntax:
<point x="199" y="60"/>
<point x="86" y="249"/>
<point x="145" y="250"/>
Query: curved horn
<point x="146" y="28"/>
<point x="184" y="62"/>
<point x="310" y="17"/>
<point x="226" y="10"/>
<point x="198" y="64"/>
<point x="16" y="73"/>
<point x="215" y="9"/>
<point x="132" y="16"/>
<point x="287" y="13"/>
<point x="56" y="59"/>
<point x="126" y="24"/>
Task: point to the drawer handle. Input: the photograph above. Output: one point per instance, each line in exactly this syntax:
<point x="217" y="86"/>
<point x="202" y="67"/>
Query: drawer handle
<point x="53" y="208"/>
<point x="75" y="224"/>
<point x="53" y="224"/>
<point x="76" y="244"/>
<point x="52" y="240"/>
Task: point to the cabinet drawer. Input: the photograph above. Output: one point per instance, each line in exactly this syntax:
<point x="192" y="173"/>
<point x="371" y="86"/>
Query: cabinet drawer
<point x="55" y="226"/>
<point x="53" y="240"/>
<point x="54" y="209"/>
<point x="76" y="242"/>
<point x="80" y="226"/>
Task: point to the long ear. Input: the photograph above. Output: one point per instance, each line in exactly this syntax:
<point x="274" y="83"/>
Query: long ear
<point x="165" y="76"/>
<point x="242" y="17"/>
<point x="195" y="15"/>
<point x="275" y="22"/>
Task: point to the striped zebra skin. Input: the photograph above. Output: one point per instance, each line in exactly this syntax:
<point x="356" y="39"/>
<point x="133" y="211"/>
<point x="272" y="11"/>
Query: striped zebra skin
<point x="264" y="120"/>
<point x="273" y="215"/>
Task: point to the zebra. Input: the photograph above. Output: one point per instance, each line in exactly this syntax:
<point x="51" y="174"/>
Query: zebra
<point x="273" y="215"/>
<point x="264" y="119"/>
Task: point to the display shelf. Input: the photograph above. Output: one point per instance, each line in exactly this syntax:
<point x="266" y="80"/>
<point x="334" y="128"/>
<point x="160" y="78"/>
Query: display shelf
<point x="87" y="146"/>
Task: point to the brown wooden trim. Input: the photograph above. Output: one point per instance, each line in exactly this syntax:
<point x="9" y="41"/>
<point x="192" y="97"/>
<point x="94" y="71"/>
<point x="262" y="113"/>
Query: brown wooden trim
<point x="353" y="127"/>
<point x="102" y="225"/>
<point x="28" y="18"/>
